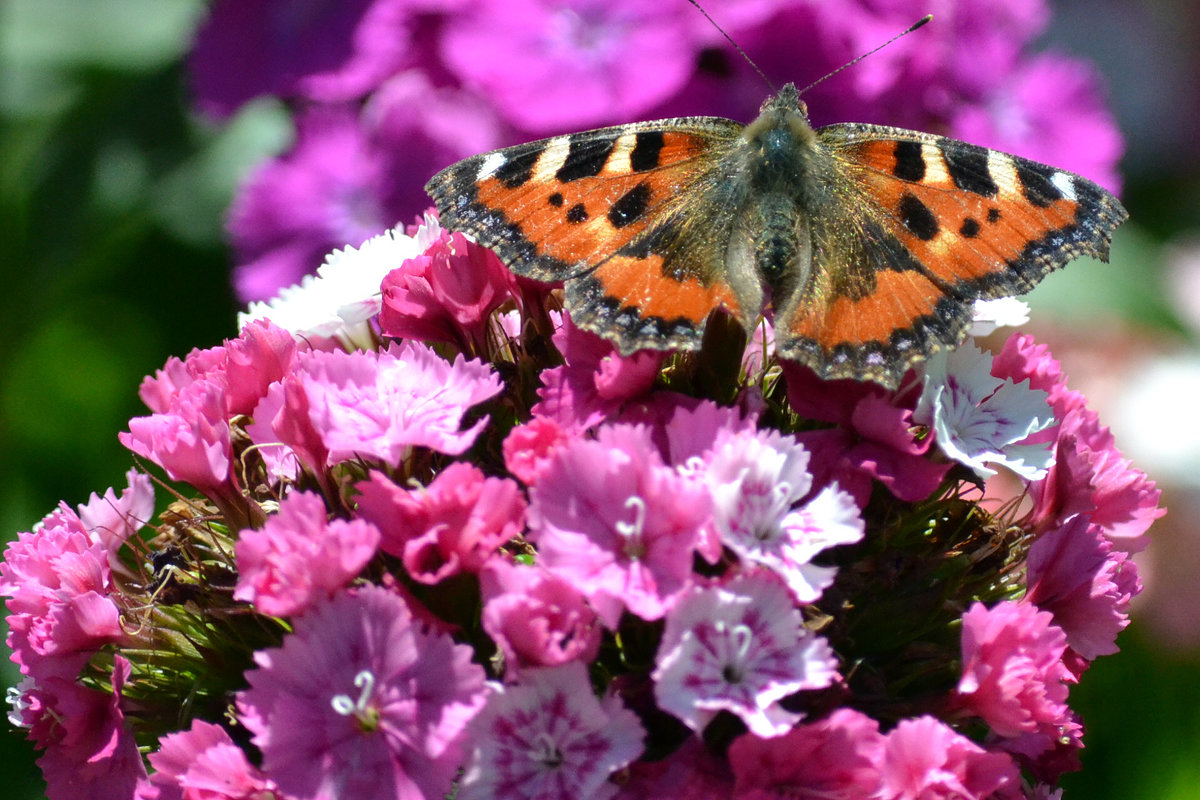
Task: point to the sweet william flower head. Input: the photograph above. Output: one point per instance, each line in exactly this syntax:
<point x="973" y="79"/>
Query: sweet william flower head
<point x="362" y="701"/>
<point x="739" y="647"/>
<point x="549" y="736"/>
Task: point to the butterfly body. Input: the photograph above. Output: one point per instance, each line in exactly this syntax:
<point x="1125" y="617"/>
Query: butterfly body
<point x="868" y="245"/>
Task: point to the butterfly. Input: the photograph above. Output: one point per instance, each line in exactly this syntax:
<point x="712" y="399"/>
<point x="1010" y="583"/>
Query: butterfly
<point x="867" y="244"/>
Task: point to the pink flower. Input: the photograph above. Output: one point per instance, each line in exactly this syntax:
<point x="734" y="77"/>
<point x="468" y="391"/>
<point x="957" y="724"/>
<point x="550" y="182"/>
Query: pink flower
<point x="530" y="447"/>
<point x="609" y="517"/>
<point x="837" y="758"/>
<point x="925" y="760"/>
<point x="536" y="618"/>
<point x="191" y="440"/>
<point x="362" y="702"/>
<point x="111" y="519"/>
<point x="595" y="382"/>
<point x="572" y="63"/>
<point x="203" y="763"/>
<point x="446" y="294"/>
<point x="873" y="438"/>
<point x="1074" y="573"/>
<point x="300" y="557"/>
<point x="548" y="736"/>
<point x="1013" y="673"/>
<point x="451" y="526"/>
<point x="691" y="771"/>
<point x="757" y="481"/>
<point x="1089" y="474"/>
<point x="59" y="584"/>
<point x="90" y="751"/>
<point x="379" y="405"/>
<point x="739" y="647"/>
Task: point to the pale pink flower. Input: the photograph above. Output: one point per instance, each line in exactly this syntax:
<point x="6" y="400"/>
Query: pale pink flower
<point x="757" y="482"/>
<point x="837" y="758"/>
<point x="536" y="618"/>
<point x="979" y="419"/>
<point x="379" y="405"/>
<point x="300" y="557"/>
<point x="111" y="519"/>
<point x="451" y="526"/>
<point x="925" y="760"/>
<point x="203" y="763"/>
<point x="739" y="647"/>
<point x="612" y="519"/>
<point x="547" y="736"/>
<point x="361" y="701"/>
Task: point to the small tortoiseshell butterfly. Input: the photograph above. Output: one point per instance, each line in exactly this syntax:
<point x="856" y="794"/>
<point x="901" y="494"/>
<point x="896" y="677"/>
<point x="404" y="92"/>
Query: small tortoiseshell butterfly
<point x="869" y="244"/>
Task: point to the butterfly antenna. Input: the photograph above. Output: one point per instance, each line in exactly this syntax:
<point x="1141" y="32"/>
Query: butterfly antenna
<point x="923" y="20"/>
<point x="738" y="47"/>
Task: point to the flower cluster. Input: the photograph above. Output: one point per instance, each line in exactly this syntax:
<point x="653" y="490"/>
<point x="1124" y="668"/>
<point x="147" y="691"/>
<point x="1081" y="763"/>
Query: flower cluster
<point x="428" y="539"/>
<point x="386" y="92"/>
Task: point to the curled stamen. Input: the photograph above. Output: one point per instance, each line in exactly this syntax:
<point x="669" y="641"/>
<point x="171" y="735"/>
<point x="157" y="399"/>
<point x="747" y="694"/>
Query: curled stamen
<point x="632" y="531"/>
<point x="544" y="751"/>
<point x="360" y="709"/>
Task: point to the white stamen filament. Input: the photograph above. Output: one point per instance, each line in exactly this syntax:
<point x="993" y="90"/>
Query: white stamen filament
<point x="741" y="636"/>
<point x="545" y="752"/>
<point x="632" y="531"/>
<point x="360" y="709"/>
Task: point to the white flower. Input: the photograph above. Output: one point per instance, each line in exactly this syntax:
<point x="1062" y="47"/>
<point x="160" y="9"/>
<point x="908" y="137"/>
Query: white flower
<point x="1003" y="312"/>
<point x="980" y="419"/>
<point x="344" y="294"/>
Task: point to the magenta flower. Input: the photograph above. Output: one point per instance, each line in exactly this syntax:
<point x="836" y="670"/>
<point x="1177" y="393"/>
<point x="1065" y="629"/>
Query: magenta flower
<point x="548" y="736"/>
<point x="379" y="405"/>
<point x="554" y="65"/>
<point x="873" y="438"/>
<point x="757" y="482"/>
<point x="300" y="557"/>
<point x="446" y="294"/>
<point x="191" y="440"/>
<point x="536" y="618"/>
<point x="609" y="517"/>
<point x="326" y="51"/>
<point x="837" y="758"/>
<point x="1013" y="674"/>
<point x="925" y="760"/>
<point x="451" y="526"/>
<point x="739" y="647"/>
<point x="1075" y="574"/>
<point x="362" y="702"/>
<point x="90" y="750"/>
<point x="203" y="763"/>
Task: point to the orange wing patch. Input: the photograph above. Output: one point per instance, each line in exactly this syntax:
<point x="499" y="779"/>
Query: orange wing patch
<point x="898" y="301"/>
<point x="634" y="282"/>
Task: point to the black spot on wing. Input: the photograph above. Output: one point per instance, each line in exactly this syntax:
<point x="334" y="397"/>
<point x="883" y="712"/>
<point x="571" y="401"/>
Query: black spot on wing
<point x="647" y="148"/>
<point x="577" y="213"/>
<point x="917" y="217"/>
<point x="555" y="200"/>
<point x="910" y="164"/>
<point x="968" y="168"/>
<point x="630" y="206"/>
<point x="517" y="170"/>
<point x="585" y="158"/>
<point x="969" y="228"/>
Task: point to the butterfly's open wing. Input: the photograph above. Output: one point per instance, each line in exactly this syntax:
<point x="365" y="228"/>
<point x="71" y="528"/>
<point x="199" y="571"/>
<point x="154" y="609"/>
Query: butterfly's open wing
<point x="604" y="211"/>
<point x="916" y="229"/>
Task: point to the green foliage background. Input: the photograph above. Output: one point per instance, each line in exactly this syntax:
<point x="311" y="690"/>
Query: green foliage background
<point x="112" y="196"/>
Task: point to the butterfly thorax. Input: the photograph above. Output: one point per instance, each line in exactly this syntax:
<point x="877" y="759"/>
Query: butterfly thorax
<point x="779" y="156"/>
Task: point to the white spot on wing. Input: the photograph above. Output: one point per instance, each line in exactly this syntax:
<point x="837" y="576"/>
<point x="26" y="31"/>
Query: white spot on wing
<point x="491" y="163"/>
<point x="1065" y="184"/>
<point x="1004" y="172"/>
<point x="552" y="159"/>
<point x="935" y="165"/>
